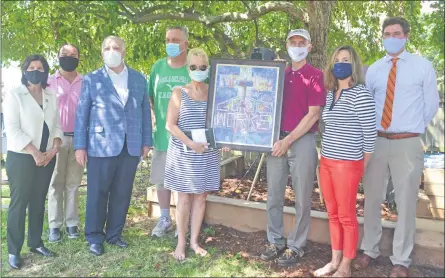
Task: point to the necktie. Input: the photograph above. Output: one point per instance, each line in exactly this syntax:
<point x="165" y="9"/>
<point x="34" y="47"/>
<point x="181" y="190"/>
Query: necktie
<point x="389" y="100"/>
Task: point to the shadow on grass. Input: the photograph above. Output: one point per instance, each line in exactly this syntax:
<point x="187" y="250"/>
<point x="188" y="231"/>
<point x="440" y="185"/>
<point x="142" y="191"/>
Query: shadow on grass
<point x="145" y="257"/>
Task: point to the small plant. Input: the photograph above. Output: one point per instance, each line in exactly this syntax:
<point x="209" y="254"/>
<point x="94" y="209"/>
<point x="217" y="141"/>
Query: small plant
<point x="209" y="231"/>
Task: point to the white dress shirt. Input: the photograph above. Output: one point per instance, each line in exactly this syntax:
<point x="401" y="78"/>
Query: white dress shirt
<point x="120" y="82"/>
<point x="416" y="99"/>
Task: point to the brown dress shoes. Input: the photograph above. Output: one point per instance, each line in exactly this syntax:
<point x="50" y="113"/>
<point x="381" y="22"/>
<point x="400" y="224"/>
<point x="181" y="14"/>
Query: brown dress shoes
<point x="399" y="271"/>
<point x="362" y="262"/>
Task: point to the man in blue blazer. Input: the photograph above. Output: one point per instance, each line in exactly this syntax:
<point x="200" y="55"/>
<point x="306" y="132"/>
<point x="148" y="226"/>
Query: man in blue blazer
<point x="112" y="132"/>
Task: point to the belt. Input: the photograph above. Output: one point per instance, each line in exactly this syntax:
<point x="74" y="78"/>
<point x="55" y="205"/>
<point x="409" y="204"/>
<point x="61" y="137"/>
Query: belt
<point x="68" y="133"/>
<point x="395" y="136"/>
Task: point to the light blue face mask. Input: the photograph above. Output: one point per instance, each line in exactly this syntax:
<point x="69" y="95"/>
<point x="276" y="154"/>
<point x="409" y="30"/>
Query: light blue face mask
<point x="198" y="75"/>
<point x="393" y="45"/>
<point x="172" y="49"/>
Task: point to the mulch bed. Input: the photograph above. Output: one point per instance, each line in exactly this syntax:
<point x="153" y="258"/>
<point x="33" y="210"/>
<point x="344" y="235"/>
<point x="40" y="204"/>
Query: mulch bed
<point x="249" y="246"/>
<point x="234" y="187"/>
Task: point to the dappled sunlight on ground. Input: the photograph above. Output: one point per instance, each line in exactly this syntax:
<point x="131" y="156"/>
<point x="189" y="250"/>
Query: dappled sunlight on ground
<point x="231" y="253"/>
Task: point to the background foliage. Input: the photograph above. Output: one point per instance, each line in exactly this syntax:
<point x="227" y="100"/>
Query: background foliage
<point x="223" y="28"/>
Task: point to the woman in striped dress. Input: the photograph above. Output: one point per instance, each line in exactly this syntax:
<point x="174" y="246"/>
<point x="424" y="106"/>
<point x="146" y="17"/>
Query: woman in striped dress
<point x="348" y="143"/>
<point x="196" y="172"/>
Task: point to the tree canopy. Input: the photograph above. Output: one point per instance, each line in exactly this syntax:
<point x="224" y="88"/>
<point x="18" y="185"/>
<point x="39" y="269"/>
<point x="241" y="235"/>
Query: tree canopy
<point x="222" y="28"/>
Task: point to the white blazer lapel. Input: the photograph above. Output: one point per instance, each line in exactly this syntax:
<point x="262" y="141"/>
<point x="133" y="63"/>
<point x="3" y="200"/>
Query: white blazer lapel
<point x="46" y="98"/>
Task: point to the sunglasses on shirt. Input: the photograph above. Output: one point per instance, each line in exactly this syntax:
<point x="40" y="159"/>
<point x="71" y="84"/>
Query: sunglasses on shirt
<point x="194" y="67"/>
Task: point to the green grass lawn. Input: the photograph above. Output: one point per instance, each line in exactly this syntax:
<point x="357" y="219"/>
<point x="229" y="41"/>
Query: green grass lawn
<point x="144" y="257"/>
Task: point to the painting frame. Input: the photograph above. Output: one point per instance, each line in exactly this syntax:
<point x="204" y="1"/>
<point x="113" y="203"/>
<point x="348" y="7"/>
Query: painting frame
<point x="249" y="71"/>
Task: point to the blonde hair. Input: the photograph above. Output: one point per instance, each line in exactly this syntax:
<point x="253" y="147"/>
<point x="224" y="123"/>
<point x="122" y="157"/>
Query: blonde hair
<point x="330" y="82"/>
<point x="197" y="52"/>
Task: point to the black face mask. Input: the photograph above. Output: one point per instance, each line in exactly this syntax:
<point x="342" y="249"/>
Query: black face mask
<point x="68" y="63"/>
<point x="35" y="77"/>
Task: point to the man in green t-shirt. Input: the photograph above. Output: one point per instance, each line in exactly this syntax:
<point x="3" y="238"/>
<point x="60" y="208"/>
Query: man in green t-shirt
<point x="166" y="74"/>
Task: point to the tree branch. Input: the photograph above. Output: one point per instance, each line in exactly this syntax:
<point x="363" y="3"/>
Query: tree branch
<point x="257" y="33"/>
<point x="129" y="7"/>
<point x="255" y="22"/>
<point x="126" y="13"/>
<point x="150" y="10"/>
<point x="283" y="6"/>
<point x="246" y="4"/>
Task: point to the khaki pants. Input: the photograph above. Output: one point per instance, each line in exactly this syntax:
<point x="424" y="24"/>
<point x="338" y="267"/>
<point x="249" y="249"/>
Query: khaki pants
<point x="157" y="169"/>
<point x="63" y="190"/>
<point x="300" y="162"/>
<point x="402" y="160"/>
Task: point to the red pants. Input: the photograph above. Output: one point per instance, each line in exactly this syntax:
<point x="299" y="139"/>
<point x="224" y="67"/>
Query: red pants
<point x="339" y="181"/>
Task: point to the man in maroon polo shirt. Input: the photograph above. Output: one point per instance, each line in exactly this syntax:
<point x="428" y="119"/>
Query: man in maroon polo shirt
<point x="295" y="153"/>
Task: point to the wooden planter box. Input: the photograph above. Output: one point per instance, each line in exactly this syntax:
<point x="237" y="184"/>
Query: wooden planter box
<point x="251" y="217"/>
<point x="433" y="185"/>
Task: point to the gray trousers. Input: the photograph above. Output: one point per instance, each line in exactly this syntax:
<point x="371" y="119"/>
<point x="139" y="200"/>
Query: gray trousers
<point x="300" y="162"/>
<point x="402" y="160"/>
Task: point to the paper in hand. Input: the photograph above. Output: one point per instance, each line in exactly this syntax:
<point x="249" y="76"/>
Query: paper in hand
<point x="199" y="135"/>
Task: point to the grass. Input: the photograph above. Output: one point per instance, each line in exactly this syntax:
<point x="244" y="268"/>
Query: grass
<point x="145" y="257"/>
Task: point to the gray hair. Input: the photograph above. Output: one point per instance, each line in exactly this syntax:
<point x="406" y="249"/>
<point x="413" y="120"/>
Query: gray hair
<point x="183" y="29"/>
<point x="114" y="38"/>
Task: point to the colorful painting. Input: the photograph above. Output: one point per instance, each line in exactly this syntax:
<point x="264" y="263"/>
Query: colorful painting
<point x="245" y="103"/>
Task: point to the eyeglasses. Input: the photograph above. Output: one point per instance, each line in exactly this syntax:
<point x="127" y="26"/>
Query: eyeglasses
<point x="194" y="67"/>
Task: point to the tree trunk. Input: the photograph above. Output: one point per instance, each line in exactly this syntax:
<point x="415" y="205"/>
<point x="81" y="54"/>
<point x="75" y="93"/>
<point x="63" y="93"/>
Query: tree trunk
<point x="319" y="13"/>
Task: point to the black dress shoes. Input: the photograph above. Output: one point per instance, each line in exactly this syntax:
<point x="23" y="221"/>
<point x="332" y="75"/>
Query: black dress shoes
<point x="43" y="251"/>
<point x="54" y="235"/>
<point x="97" y="249"/>
<point x="72" y="232"/>
<point x="119" y="242"/>
<point x="14" y="261"/>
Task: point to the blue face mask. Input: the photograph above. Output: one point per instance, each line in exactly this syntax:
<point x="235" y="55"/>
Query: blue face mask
<point x="394" y="45"/>
<point x="172" y="49"/>
<point x="342" y="70"/>
<point x="198" y="75"/>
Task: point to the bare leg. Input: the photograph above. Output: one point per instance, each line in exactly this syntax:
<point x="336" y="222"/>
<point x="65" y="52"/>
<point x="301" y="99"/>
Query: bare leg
<point x="182" y="218"/>
<point x="199" y="205"/>
<point x="344" y="270"/>
<point x="164" y="196"/>
<point x="331" y="266"/>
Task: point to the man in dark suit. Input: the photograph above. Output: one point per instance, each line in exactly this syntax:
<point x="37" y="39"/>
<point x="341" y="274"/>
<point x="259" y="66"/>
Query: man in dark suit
<point x="112" y="132"/>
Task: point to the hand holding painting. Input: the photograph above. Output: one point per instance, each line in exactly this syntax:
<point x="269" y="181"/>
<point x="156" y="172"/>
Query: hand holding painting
<point x="280" y="147"/>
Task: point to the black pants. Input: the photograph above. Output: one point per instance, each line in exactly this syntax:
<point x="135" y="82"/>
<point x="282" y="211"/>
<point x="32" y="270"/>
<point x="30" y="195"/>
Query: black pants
<point x="110" y="183"/>
<point x="28" y="188"/>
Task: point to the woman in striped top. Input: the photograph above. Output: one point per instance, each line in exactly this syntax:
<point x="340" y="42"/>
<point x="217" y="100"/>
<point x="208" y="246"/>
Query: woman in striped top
<point x="196" y="172"/>
<point x="348" y="142"/>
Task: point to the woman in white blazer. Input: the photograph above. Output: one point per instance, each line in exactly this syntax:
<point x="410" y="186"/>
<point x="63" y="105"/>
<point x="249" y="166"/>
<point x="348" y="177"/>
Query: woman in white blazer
<point x="32" y="127"/>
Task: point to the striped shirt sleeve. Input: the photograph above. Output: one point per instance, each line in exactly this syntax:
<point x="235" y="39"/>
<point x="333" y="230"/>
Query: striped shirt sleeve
<point x="365" y="110"/>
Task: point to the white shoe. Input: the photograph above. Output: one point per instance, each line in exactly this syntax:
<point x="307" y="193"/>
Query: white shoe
<point x="164" y="225"/>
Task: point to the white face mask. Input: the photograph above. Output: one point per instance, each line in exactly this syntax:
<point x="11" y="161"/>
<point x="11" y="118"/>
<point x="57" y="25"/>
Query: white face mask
<point x="112" y="58"/>
<point x="297" y="53"/>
